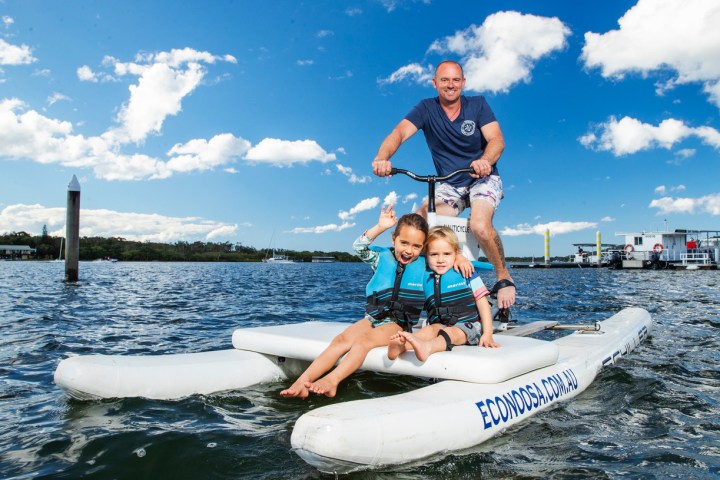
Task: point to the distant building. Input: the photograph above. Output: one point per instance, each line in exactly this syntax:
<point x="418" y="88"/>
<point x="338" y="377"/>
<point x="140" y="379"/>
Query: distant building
<point x="16" y="252"/>
<point x="323" y="259"/>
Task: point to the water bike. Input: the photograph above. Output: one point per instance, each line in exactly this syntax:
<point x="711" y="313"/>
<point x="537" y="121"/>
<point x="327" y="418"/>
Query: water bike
<point x="483" y="391"/>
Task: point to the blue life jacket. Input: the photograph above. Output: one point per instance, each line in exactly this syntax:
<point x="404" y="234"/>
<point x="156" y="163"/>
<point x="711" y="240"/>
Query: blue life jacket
<point x="396" y="290"/>
<point x="449" y="299"/>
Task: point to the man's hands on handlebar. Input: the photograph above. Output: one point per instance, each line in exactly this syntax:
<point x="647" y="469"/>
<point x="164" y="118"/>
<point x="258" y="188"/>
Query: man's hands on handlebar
<point x="482" y="168"/>
<point x="381" y="168"/>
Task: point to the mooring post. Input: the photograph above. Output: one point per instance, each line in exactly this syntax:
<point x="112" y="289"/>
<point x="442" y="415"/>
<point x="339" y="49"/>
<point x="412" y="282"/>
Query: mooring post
<point x="72" y="231"/>
<point x="547" y="246"/>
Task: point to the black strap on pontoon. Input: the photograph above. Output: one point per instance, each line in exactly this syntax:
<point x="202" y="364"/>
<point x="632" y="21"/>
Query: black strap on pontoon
<point x="446" y="337"/>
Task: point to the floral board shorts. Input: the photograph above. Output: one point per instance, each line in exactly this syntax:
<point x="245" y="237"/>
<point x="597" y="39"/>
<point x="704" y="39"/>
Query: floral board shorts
<point x="488" y="188"/>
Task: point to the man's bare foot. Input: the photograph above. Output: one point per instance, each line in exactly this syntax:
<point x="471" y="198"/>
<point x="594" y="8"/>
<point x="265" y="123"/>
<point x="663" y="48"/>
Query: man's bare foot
<point x="396" y="346"/>
<point x="297" y="389"/>
<point x="505" y="292"/>
<point x="323" y="387"/>
<point x="423" y="348"/>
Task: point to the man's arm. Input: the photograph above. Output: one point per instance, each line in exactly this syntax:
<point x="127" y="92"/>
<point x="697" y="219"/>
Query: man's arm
<point x="381" y="165"/>
<point x="494" y="148"/>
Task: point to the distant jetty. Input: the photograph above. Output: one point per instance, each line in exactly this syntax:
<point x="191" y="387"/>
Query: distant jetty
<point x="678" y="250"/>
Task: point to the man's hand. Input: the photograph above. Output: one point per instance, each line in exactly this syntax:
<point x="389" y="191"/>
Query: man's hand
<point x="481" y="167"/>
<point x="381" y="168"/>
<point x="463" y="266"/>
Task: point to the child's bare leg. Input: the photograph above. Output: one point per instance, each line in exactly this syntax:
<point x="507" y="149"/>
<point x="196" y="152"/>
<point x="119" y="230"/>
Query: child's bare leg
<point x="327" y="359"/>
<point x="396" y="347"/>
<point x="425" y="347"/>
<point x="377" y="337"/>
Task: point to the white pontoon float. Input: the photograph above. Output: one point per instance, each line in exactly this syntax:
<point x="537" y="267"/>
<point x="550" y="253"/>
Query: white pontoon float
<point x="486" y="390"/>
<point x="483" y="392"/>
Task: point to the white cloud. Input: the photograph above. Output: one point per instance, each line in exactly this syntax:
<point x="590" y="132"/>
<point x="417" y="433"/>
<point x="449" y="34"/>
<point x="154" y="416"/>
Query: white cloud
<point x="390" y="199"/>
<point x="30" y="135"/>
<point x="332" y="227"/>
<point x="629" y="135"/>
<point x="352" y="178"/>
<point x="201" y="154"/>
<point x="7" y="20"/>
<point x="284" y="152"/>
<point x="660" y="36"/>
<point x="607" y="219"/>
<point x="304" y="63"/>
<point x="15" y="55"/>
<point x="556" y="228"/>
<point x="56" y="97"/>
<point x="165" y="79"/>
<point x="414" y="72"/>
<point x="86" y="74"/>
<point x="353" y="11"/>
<point x="324" y="33"/>
<point x="366" y="204"/>
<point x="707" y="204"/>
<point x="497" y="54"/>
<point x="409" y="197"/>
<point x="107" y="223"/>
<point x="660" y="189"/>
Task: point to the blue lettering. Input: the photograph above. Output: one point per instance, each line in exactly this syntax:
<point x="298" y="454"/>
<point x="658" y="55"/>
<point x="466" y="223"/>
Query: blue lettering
<point x="511" y="403"/>
<point x="575" y="380"/>
<point x="569" y="381"/>
<point x="556" y="385"/>
<point x="545" y="384"/>
<point x="484" y="413"/>
<point x="533" y="395"/>
<point x="519" y="403"/>
<point x="500" y="402"/>
<point x="489" y="403"/>
<point x="527" y="398"/>
<point x="541" y="397"/>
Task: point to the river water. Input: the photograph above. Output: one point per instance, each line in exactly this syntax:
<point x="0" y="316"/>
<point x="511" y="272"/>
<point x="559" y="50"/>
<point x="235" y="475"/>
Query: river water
<point x="653" y="415"/>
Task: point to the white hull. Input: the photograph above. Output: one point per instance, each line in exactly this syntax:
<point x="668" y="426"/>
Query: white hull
<point x="456" y="415"/>
<point x="489" y="391"/>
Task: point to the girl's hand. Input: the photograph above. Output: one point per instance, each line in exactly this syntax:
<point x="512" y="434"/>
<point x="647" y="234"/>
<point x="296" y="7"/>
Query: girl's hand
<point x="387" y="218"/>
<point x="463" y="266"/>
<point x="486" y="340"/>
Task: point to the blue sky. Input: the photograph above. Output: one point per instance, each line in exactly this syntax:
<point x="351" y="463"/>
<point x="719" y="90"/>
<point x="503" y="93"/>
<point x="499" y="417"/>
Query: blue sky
<point x="255" y="122"/>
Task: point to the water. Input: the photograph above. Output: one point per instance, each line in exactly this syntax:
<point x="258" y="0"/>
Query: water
<point x="653" y="415"/>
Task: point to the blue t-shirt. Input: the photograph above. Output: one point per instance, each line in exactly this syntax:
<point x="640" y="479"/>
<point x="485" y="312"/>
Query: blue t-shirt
<point x="455" y="144"/>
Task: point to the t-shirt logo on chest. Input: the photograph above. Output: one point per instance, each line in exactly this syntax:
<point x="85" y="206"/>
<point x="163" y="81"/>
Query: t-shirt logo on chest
<point x="467" y="127"/>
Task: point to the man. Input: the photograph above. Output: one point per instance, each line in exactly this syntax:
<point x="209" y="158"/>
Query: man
<point x="460" y="132"/>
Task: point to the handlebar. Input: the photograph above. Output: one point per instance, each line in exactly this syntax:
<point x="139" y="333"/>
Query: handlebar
<point x="430" y="180"/>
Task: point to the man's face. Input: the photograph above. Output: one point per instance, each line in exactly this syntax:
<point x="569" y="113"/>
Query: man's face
<point x="449" y="82"/>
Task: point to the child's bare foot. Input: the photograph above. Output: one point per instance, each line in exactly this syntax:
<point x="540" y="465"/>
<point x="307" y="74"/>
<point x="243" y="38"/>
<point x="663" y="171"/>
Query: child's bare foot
<point x="297" y="390"/>
<point x="323" y="387"/>
<point x="423" y="348"/>
<point x="396" y="346"/>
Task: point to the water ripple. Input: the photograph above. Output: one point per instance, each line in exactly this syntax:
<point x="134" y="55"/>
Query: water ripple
<point x="654" y="415"/>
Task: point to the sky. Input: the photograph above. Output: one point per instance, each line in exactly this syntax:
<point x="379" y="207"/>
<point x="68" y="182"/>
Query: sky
<point x="256" y="122"/>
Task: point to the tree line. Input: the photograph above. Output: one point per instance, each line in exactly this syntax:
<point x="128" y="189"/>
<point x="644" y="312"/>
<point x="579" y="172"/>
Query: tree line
<point x="93" y="248"/>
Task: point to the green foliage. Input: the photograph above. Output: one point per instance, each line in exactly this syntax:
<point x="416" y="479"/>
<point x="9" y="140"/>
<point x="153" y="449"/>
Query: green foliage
<point x="93" y="248"/>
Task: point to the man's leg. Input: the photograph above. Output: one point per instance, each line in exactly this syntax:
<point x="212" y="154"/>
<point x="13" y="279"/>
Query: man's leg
<point x="481" y="215"/>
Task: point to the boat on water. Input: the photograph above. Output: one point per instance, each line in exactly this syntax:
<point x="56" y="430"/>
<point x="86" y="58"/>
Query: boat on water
<point x="484" y="391"/>
<point x="275" y="258"/>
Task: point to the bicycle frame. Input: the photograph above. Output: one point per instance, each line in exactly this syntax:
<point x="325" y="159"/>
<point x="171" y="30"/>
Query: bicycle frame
<point x="461" y="226"/>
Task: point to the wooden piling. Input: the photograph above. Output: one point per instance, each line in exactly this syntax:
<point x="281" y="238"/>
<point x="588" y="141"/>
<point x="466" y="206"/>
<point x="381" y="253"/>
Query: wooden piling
<point x="72" y="231"/>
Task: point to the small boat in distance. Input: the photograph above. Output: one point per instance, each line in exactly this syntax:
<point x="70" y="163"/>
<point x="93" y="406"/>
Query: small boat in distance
<point x="60" y="254"/>
<point x="278" y="259"/>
